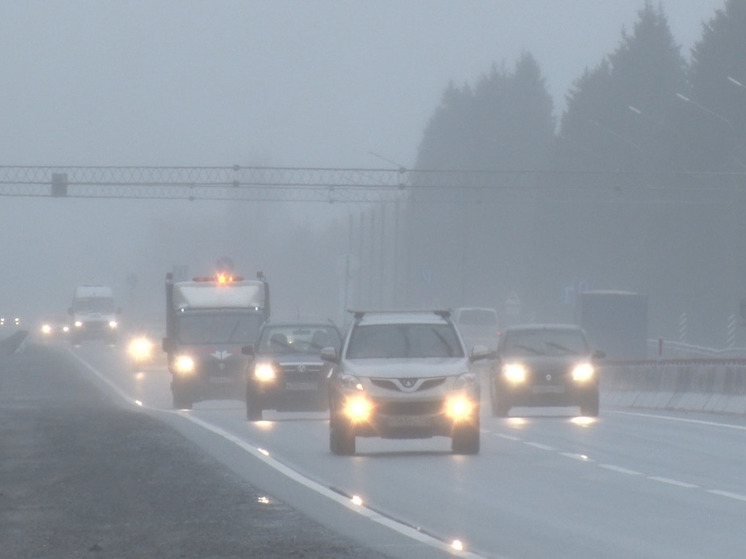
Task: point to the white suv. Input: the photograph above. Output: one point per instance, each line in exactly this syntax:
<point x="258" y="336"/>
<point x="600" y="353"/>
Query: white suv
<point x="403" y="375"/>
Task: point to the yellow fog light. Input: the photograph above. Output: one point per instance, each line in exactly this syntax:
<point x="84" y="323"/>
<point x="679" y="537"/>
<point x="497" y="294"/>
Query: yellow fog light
<point x="358" y="408"/>
<point x="459" y="408"/>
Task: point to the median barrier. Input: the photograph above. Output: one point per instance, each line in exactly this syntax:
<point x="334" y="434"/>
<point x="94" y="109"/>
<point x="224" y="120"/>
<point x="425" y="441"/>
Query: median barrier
<point x="703" y="385"/>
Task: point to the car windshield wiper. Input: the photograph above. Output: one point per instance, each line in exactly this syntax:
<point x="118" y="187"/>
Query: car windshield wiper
<point x="561" y="347"/>
<point x="529" y="349"/>
<point x="449" y="348"/>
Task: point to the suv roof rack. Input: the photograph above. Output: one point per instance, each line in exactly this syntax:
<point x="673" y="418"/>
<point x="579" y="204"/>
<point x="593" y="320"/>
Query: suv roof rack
<point x="358" y="314"/>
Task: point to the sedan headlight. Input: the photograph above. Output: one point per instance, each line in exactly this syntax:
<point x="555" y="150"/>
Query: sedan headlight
<point x="113" y="324"/>
<point x="515" y="373"/>
<point x="583" y="372"/>
<point x="184" y="364"/>
<point x="465" y="380"/>
<point x="265" y="372"/>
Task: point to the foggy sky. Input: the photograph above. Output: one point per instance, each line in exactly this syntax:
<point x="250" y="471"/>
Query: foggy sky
<point x="318" y="84"/>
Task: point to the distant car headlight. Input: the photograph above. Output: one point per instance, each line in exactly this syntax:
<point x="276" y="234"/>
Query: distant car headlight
<point x="113" y="324"/>
<point x="515" y="373"/>
<point x="78" y="323"/>
<point x="46" y="329"/>
<point x="350" y="382"/>
<point x="459" y="408"/>
<point x="140" y="349"/>
<point x="184" y="364"/>
<point x="583" y="372"/>
<point x="265" y="372"/>
<point x="358" y="408"/>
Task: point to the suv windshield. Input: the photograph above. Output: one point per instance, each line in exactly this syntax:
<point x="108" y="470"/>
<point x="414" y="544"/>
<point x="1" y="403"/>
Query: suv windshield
<point x="403" y="341"/>
<point x="545" y="342"/>
<point x="298" y="339"/>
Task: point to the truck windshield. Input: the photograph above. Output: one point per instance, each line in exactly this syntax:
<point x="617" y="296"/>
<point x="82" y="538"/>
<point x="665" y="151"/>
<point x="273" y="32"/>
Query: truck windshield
<point x="221" y="328"/>
<point x="93" y="304"/>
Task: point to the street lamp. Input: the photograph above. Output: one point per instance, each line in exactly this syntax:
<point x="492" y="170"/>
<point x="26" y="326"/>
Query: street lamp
<point x="708" y="111"/>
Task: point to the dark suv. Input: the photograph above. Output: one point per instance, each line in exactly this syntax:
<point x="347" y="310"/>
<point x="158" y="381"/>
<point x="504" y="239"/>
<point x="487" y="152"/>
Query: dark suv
<point x="403" y="375"/>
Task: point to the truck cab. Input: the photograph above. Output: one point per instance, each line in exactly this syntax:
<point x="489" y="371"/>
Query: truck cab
<point x="208" y="321"/>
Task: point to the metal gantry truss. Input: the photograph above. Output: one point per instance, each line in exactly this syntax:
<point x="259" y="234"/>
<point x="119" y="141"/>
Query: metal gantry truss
<point x="237" y="183"/>
<point x="343" y="185"/>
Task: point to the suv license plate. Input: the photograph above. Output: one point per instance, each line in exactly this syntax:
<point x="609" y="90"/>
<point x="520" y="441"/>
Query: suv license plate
<point x="301" y="386"/>
<point x="548" y="389"/>
<point x="408" y="421"/>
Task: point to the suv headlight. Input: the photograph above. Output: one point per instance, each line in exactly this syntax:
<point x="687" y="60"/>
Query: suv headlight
<point x="350" y="382"/>
<point x="265" y="372"/>
<point x="583" y="372"/>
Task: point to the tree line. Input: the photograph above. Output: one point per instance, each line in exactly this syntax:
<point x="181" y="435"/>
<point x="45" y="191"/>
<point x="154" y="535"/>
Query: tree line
<point x="637" y="186"/>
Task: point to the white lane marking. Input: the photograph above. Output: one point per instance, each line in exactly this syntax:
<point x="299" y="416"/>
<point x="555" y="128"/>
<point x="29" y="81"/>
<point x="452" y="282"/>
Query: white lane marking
<point x="728" y="494"/>
<point x="509" y="437"/>
<point x="576" y="456"/>
<point x="322" y="490"/>
<point x="343" y="500"/>
<point x="620" y="470"/>
<point x="683" y="420"/>
<point x="540" y="446"/>
<point x="675" y="482"/>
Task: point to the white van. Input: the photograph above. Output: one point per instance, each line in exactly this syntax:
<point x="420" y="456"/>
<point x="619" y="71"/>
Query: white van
<point x="94" y="315"/>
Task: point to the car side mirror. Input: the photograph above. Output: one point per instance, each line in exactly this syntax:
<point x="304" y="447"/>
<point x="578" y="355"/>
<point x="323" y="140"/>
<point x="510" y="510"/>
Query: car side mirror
<point x="479" y="352"/>
<point x="329" y="354"/>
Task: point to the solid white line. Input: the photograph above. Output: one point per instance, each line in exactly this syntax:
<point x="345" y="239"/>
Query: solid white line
<point x="675" y="482"/>
<point x="322" y="490"/>
<point x="509" y="437"/>
<point x="728" y="494"/>
<point x="682" y="420"/>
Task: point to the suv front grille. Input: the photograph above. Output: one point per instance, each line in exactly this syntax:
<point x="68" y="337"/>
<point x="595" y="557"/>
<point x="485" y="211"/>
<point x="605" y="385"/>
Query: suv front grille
<point x="408" y="384"/>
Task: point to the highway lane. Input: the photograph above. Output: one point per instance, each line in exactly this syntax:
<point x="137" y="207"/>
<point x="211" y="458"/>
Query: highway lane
<point x="546" y="484"/>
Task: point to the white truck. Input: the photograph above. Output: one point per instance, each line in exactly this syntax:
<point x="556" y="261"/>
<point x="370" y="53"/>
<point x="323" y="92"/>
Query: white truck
<point x="208" y="322"/>
<point x="94" y="314"/>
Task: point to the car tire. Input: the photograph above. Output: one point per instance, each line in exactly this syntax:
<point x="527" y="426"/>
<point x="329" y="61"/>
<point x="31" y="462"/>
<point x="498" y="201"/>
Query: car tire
<point x="590" y="404"/>
<point x="182" y="399"/>
<point x="500" y="402"/>
<point x="254" y="409"/>
<point x="465" y="438"/>
<point x="341" y="436"/>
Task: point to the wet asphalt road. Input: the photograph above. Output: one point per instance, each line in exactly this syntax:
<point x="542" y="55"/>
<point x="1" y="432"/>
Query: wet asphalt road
<point x="81" y="477"/>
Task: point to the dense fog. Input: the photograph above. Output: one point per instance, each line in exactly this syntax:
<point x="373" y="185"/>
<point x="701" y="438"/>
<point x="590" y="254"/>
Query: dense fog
<point x="524" y="240"/>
